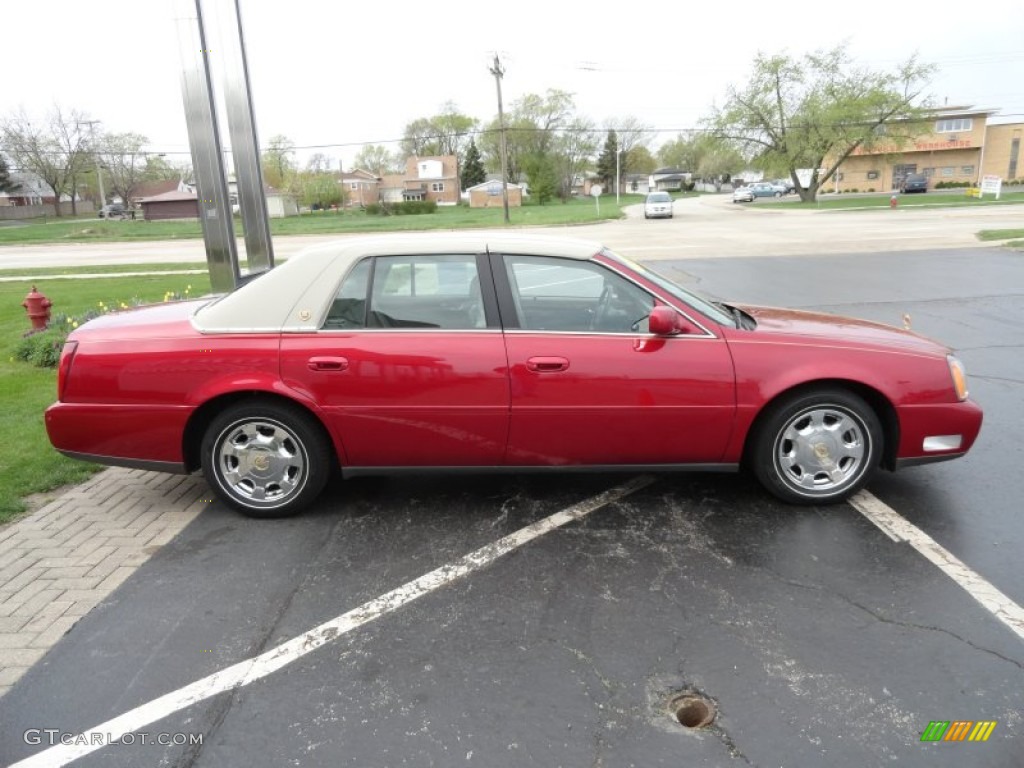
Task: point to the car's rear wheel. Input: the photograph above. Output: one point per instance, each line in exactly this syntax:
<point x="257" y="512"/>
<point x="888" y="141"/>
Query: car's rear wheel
<point x="817" y="447"/>
<point x="266" y="459"/>
<point x="778" y="194"/>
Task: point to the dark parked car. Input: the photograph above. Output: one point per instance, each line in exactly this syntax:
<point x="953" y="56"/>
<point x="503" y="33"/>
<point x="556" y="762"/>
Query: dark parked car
<point x="114" y="211"/>
<point x="915" y="182"/>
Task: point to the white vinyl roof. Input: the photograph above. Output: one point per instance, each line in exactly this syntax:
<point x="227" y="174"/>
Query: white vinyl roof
<point x="294" y="295"/>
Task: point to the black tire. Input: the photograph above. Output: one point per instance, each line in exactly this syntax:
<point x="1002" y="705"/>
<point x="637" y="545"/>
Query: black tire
<point x="279" y="476"/>
<point x="778" y="194"/>
<point x="817" y="446"/>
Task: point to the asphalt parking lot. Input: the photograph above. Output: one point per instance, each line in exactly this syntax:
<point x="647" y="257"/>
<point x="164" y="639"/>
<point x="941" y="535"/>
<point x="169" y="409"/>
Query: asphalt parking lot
<point x="818" y="638"/>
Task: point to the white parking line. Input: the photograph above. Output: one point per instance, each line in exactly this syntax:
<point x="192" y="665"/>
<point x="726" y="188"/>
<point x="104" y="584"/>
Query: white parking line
<point x="899" y="528"/>
<point x="251" y="670"/>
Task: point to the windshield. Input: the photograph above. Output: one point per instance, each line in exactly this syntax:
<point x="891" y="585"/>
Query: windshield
<point x="699" y="303"/>
<point x="659" y="197"/>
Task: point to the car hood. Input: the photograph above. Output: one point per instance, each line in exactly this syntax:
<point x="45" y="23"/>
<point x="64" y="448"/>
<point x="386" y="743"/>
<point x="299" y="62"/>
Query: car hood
<point x="793" y="322"/>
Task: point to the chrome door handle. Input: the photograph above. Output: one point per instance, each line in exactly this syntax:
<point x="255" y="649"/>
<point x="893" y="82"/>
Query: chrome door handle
<point x="327" y="363"/>
<point x="547" y="364"/>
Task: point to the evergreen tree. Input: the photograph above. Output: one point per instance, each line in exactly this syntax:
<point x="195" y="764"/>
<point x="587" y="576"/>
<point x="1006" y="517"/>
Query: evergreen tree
<point x="543" y="177"/>
<point x="473" y="172"/>
<point x="606" y="160"/>
<point x="5" y="176"/>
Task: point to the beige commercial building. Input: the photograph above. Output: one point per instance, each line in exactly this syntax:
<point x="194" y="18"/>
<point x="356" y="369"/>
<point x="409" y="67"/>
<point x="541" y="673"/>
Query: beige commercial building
<point x="960" y="147"/>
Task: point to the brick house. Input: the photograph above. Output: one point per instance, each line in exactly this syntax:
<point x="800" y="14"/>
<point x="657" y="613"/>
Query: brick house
<point x="361" y="187"/>
<point x="432" y="178"/>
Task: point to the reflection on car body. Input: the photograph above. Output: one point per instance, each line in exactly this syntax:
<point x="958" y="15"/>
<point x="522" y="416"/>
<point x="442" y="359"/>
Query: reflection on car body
<point x="504" y="353"/>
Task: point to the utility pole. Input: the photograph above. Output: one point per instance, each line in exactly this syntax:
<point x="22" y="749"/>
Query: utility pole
<point x="497" y="71"/>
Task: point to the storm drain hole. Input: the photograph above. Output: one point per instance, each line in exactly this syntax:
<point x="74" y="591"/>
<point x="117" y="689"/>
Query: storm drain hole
<point x="692" y="711"/>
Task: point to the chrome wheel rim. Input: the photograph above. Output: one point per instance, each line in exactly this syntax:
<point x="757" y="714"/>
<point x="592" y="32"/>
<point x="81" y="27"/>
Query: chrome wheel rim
<point x="261" y="462"/>
<point x="822" y="450"/>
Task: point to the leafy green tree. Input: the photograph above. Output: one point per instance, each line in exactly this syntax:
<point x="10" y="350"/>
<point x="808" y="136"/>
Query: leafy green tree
<point x="706" y="156"/>
<point x="319" y="189"/>
<point x="641" y="161"/>
<point x="446" y="133"/>
<point x="377" y="160"/>
<point x="681" y="152"/>
<point x="532" y="126"/>
<point x="542" y="175"/>
<point x="816" y="112"/>
<point x="278" y="161"/>
<point x="473" y="172"/>
<point x="718" y="160"/>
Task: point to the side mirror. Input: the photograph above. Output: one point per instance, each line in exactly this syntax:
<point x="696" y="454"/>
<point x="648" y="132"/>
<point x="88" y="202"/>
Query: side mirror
<point x="665" y="321"/>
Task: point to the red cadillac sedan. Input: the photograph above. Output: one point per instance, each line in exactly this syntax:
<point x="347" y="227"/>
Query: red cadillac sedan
<point x="491" y="352"/>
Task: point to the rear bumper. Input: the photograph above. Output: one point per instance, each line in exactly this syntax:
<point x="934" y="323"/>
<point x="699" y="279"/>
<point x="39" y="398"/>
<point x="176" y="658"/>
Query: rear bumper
<point x="123" y="435"/>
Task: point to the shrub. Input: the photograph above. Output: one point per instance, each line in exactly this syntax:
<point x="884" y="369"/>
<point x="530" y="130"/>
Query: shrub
<point x="42" y="349"/>
<point x="415" y="207"/>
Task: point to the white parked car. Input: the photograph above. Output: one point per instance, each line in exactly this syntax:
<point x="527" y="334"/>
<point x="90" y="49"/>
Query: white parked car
<point x="658" y="205"/>
<point x="743" y="195"/>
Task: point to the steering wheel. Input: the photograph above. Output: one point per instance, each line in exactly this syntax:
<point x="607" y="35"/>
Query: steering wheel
<point x="601" y="310"/>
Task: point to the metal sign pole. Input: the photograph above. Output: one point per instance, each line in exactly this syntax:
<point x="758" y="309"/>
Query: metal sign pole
<point x="245" y="150"/>
<point x="204" y="139"/>
<point x="207" y="154"/>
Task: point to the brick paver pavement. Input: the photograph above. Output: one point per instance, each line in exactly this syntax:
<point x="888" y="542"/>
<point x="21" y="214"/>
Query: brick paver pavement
<point x="57" y="563"/>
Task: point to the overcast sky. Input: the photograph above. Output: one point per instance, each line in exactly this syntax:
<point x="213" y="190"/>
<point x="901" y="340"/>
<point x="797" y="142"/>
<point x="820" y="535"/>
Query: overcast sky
<point x="338" y="73"/>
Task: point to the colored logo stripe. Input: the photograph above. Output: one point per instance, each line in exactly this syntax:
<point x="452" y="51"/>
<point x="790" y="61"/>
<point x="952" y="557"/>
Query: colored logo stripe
<point x="982" y="730"/>
<point x="958" y="730"/>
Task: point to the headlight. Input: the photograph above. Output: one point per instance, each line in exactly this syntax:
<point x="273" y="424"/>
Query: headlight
<point x="959" y="375"/>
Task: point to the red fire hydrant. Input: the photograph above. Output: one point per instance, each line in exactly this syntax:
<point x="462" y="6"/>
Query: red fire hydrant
<point x="38" y="308"/>
<point x="893" y="201"/>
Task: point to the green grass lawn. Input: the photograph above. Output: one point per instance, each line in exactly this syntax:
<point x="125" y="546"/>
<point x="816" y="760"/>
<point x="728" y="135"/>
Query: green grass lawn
<point x="937" y="200"/>
<point x="1013" y="237"/>
<point x="576" y="211"/>
<point x="28" y="464"/>
<point x="103" y="269"/>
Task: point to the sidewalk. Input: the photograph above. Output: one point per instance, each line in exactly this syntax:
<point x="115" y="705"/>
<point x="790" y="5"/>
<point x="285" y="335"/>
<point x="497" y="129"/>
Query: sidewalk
<point x="57" y="563"/>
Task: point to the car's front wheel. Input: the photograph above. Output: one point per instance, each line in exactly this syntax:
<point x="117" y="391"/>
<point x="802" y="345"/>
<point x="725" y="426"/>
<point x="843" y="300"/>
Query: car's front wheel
<point x="817" y="447"/>
<point x="778" y="194"/>
<point x="266" y="459"/>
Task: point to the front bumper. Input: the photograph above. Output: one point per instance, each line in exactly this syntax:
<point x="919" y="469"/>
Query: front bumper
<point x="936" y="432"/>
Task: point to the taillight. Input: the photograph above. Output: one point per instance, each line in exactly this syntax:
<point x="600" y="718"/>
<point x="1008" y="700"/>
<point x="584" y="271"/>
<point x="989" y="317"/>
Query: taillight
<point x="67" y="354"/>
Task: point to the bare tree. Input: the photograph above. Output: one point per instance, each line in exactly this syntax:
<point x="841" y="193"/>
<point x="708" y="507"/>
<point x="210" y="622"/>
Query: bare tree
<point x="631" y="133"/>
<point x="56" y="150"/>
<point x="124" y="162"/>
<point x="575" y="148"/>
<point x="318" y="163"/>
